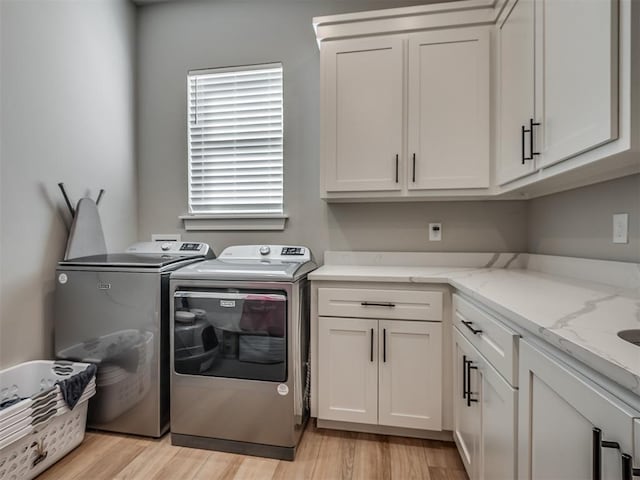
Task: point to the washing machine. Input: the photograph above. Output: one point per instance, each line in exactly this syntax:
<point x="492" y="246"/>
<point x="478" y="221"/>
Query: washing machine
<point x="240" y="351"/>
<point x="113" y="310"/>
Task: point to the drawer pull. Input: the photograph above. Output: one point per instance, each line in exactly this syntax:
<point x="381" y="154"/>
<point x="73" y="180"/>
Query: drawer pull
<point x="470" y="327"/>
<point x="378" y="304"/>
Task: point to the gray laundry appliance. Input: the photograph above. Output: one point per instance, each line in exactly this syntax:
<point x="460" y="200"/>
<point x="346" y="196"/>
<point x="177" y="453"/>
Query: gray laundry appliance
<point x="240" y="351"/>
<point x="113" y="310"/>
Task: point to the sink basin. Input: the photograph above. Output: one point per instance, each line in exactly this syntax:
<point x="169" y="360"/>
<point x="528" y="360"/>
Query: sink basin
<point x="631" y="336"/>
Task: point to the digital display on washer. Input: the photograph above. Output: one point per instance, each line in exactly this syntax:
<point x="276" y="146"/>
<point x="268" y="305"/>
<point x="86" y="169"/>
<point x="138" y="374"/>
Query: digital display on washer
<point x="190" y="247"/>
<point x="292" y="251"/>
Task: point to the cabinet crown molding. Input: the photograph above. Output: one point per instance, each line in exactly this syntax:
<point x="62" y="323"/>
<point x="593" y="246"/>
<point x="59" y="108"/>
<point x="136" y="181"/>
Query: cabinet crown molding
<point x="407" y="19"/>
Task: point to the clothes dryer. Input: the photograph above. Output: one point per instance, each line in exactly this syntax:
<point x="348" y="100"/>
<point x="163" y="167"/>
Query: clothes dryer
<point x="246" y="390"/>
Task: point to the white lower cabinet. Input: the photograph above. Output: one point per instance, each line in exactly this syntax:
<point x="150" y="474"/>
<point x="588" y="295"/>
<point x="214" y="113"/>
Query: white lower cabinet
<point x="484" y="415"/>
<point x="348" y="370"/>
<point x="410" y="374"/>
<point x="569" y="428"/>
<point x="466" y="413"/>
<point x="385" y="372"/>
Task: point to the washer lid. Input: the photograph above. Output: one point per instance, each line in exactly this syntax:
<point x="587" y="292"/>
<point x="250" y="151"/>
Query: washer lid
<point x="139" y="260"/>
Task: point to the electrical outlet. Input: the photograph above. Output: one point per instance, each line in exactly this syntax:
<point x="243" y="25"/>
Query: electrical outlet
<point x="165" y="237"/>
<point x="435" y="232"/>
<point x="621" y="228"/>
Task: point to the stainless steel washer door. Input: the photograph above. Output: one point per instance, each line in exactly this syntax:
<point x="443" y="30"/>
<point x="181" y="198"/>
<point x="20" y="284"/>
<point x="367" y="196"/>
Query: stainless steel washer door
<point x="242" y="389"/>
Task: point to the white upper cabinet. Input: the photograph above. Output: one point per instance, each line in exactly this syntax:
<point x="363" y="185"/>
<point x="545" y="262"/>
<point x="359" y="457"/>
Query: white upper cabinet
<point x="449" y="118"/>
<point x="515" y="99"/>
<point x="437" y="136"/>
<point x="476" y="99"/>
<point x="576" y="77"/>
<point x="558" y="82"/>
<point x="362" y="114"/>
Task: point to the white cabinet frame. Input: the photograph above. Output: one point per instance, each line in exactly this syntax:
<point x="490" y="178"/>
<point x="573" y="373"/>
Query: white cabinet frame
<point x="362" y="121"/>
<point x="449" y="127"/>
<point x="544" y="377"/>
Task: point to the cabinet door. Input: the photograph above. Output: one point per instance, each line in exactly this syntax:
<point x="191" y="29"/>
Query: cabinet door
<point x="516" y="90"/>
<point x="410" y="385"/>
<point x="448" y="105"/>
<point x="576" y="76"/>
<point x="498" y="438"/>
<point x="558" y="411"/>
<point x="348" y="369"/>
<point x="362" y="109"/>
<point x="466" y="414"/>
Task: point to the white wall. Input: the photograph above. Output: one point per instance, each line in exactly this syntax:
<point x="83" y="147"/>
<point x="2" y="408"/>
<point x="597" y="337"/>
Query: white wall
<point x="579" y="223"/>
<point x="67" y="114"/>
<point x="175" y="37"/>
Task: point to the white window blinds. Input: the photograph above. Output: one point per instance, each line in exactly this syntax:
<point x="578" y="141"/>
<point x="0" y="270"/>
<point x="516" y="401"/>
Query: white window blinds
<point x="235" y="140"/>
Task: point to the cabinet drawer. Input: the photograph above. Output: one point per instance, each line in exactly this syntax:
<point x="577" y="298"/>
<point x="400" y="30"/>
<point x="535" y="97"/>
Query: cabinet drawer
<point x="371" y="303"/>
<point x="495" y="341"/>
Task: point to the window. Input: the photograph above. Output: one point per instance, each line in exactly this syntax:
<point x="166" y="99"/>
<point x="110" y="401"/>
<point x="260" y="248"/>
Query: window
<point x="235" y="141"/>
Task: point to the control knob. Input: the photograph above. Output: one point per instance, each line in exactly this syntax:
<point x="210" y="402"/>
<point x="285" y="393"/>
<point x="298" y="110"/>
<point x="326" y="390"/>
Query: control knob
<point x="165" y="247"/>
<point x="265" y="250"/>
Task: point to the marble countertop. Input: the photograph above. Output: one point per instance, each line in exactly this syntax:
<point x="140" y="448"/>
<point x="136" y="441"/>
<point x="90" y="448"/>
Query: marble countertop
<point x="386" y="273"/>
<point x="580" y="317"/>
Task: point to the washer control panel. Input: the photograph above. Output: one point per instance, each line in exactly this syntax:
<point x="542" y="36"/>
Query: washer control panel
<point x="172" y="248"/>
<point x="191" y="247"/>
<point x="292" y="251"/>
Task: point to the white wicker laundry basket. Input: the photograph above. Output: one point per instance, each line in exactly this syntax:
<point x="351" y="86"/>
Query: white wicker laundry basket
<point x="38" y="430"/>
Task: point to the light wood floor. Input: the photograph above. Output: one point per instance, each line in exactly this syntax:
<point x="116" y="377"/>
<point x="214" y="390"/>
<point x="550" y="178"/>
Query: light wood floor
<point x="322" y="455"/>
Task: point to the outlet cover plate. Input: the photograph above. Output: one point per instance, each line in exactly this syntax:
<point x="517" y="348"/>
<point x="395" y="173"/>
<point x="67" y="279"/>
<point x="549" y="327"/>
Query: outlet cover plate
<point x="435" y="232"/>
<point x="621" y="228"/>
<point x="165" y="237"/>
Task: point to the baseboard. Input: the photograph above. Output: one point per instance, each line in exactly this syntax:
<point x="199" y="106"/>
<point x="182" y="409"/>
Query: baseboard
<point x="444" y="435"/>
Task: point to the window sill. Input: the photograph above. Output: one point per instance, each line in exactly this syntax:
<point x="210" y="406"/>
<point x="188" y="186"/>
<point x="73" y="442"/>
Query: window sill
<point x="235" y="222"/>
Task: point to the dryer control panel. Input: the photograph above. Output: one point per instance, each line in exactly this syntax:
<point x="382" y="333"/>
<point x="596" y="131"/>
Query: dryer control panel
<point x="287" y="253"/>
<point x="196" y="249"/>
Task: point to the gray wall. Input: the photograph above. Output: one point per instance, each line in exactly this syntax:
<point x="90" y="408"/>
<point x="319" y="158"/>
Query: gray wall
<point x="578" y="223"/>
<point x="175" y="37"/>
<point x="67" y="114"/>
<point x="67" y="103"/>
